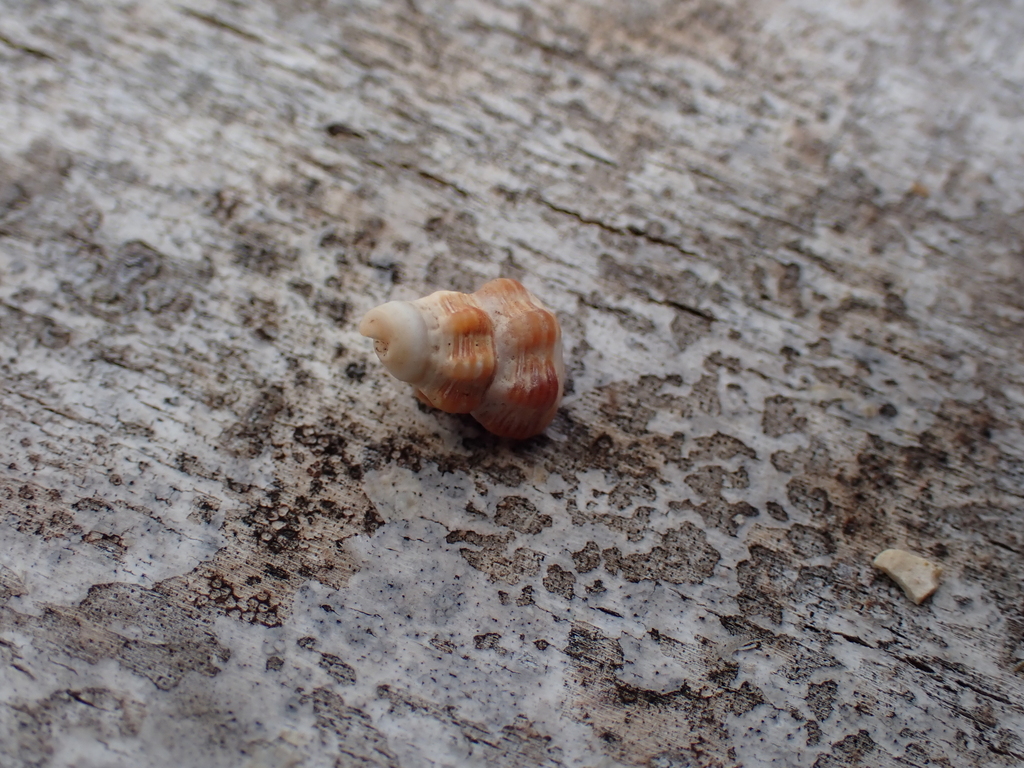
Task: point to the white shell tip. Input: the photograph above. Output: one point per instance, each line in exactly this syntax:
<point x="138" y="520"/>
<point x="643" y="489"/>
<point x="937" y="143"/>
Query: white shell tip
<point x="917" y="577"/>
<point x="400" y="338"/>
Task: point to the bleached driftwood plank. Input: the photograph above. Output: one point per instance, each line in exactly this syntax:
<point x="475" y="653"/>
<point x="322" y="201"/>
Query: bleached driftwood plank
<point x="786" y="243"/>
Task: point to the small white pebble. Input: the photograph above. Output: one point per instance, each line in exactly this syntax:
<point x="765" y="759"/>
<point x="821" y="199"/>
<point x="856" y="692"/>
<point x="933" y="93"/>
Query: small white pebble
<point x="918" y="577"/>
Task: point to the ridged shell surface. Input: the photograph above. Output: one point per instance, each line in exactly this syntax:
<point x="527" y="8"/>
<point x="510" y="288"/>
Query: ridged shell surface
<point x="495" y="354"/>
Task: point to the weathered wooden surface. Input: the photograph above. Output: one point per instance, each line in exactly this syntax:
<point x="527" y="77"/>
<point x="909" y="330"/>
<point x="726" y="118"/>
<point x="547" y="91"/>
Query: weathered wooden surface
<point x="786" y="241"/>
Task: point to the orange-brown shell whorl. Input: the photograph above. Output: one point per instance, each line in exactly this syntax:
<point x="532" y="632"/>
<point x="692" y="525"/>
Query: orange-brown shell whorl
<point x="495" y="354"/>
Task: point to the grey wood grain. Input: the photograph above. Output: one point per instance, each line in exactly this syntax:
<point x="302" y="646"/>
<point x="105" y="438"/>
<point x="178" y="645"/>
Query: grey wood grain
<point x="786" y="243"/>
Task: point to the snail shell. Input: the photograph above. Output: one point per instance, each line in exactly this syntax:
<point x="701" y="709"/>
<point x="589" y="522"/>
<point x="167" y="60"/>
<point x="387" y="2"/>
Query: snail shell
<point x="495" y="354"/>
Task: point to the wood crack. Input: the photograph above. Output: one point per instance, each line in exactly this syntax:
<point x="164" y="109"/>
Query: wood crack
<point x="436" y="179"/>
<point x="628" y="231"/>
<point x="217" y="23"/>
<point x="31" y="51"/>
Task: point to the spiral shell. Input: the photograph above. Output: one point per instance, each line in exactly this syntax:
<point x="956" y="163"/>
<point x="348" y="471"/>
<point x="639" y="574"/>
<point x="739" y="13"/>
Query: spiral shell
<point x="495" y="354"/>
